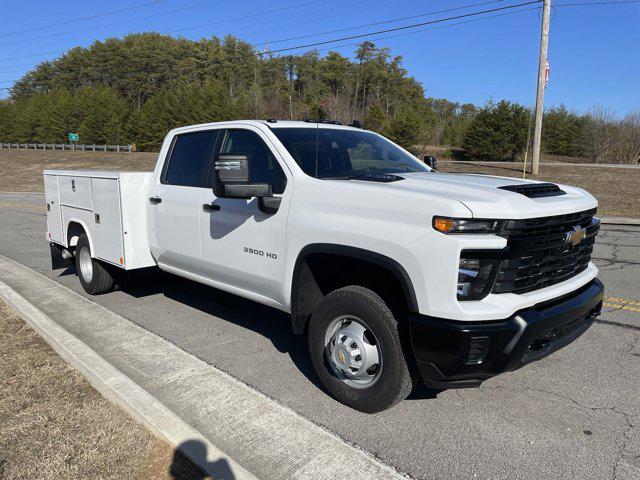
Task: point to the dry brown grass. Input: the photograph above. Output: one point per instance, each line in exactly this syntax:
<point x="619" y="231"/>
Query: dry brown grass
<point x="615" y="189"/>
<point x="21" y="170"/>
<point x="53" y="424"/>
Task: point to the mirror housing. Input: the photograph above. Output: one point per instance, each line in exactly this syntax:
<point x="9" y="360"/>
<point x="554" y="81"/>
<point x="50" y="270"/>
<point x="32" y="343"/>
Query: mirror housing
<point x="232" y="168"/>
<point x="431" y="161"/>
<point x="269" y="205"/>
<point x="232" y="179"/>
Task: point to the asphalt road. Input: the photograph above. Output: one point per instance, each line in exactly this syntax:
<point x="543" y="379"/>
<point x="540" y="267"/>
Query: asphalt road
<point x="575" y="414"/>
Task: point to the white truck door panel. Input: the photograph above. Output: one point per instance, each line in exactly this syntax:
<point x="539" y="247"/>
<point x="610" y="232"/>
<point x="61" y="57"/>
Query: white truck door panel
<point x="243" y="246"/>
<point x="174" y="233"/>
<point x="54" y="215"/>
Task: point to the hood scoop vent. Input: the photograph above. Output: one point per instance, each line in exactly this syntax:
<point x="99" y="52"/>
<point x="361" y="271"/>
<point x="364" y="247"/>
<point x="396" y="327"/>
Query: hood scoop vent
<point x="535" y="190"/>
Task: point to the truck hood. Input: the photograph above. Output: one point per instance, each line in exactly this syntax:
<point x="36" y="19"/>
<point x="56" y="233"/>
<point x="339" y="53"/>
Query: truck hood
<point x="481" y="194"/>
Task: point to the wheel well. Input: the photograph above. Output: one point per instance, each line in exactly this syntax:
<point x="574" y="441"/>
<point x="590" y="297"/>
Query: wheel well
<point x="74" y="230"/>
<point x="318" y="273"/>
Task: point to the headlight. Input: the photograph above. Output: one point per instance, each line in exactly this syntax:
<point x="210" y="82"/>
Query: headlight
<point x="475" y="277"/>
<point x="465" y="225"/>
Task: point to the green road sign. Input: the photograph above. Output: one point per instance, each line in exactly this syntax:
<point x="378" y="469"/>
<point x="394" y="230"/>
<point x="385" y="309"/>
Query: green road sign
<point x="74" y="137"/>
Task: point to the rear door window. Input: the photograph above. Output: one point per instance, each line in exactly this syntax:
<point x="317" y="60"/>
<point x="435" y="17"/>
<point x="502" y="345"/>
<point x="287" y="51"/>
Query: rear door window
<point x="190" y="158"/>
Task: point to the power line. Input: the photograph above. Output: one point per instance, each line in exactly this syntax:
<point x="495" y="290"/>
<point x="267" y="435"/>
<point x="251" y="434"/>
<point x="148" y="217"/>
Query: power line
<point x="111" y="24"/>
<point x="97" y="15"/>
<point x="380" y="23"/>
<point x="30" y="56"/>
<point x="159" y="14"/>
<point x="178" y="10"/>
<point x="404" y="27"/>
<point x="290" y="20"/>
<point x="455" y="24"/>
<point x="582" y="4"/>
<point x="260" y="54"/>
<point x="267" y="12"/>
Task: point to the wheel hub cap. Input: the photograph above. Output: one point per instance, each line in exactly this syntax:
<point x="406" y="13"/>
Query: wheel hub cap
<point x="86" y="265"/>
<point x="353" y="352"/>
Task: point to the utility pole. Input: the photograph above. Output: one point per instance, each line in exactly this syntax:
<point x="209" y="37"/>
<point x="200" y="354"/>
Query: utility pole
<point x="542" y="65"/>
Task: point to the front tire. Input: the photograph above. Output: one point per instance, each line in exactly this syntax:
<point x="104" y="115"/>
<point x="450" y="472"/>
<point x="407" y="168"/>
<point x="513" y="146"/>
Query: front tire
<point x="357" y="352"/>
<point x="93" y="275"/>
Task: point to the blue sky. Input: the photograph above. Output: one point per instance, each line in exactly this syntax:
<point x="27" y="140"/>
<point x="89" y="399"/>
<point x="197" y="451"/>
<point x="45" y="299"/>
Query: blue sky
<point x="594" y="51"/>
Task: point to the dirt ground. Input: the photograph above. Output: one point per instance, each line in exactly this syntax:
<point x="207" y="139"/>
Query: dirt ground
<point x="615" y="189"/>
<point x="53" y="424"/>
<point x="21" y="170"/>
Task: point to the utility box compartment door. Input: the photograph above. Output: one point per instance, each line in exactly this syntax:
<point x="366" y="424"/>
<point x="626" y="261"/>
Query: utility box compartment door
<point x="75" y="191"/>
<point x="52" y="199"/>
<point x="107" y="222"/>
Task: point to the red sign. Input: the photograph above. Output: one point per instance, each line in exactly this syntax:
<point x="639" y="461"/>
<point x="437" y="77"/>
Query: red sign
<point x="546" y="74"/>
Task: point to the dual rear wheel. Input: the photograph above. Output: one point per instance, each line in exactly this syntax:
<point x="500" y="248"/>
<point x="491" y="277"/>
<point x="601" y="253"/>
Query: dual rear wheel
<point x="94" y="276"/>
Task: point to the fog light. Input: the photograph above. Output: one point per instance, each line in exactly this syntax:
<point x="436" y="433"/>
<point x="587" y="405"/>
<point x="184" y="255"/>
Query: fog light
<point x="475" y="277"/>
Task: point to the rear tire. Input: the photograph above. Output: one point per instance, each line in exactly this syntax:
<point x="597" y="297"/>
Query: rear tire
<point x="94" y="276"/>
<point x="355" y="324"/>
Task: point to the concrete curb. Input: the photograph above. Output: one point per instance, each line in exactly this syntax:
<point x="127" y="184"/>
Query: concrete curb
<point x="620" y="221"/>
<point x="121" y="390"/>
<point x="263" y="437"/>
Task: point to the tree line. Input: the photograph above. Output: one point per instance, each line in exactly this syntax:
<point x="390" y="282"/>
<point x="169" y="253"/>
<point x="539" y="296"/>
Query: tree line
<point x="134" y="89"/>
<point x="503" y="130"/>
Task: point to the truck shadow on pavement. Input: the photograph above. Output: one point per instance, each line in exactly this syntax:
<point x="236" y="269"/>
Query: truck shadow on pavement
<point x="182" y="468"/>
<point x="271" y="323"/>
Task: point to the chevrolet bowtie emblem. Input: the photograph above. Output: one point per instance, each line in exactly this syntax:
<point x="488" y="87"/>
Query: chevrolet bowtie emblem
<point x="575" y="236"/>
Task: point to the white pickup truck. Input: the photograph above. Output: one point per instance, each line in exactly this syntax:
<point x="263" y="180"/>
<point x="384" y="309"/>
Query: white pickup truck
<point x="395" y="272"/>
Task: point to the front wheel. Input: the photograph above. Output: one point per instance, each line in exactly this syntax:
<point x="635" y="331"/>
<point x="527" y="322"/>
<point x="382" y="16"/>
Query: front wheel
<point x="93" y="275"/>
<point x="357" y="352"/>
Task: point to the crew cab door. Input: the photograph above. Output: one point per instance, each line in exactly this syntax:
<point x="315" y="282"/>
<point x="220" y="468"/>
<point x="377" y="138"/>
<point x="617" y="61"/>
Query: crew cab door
<point x="174" y="201"/>
<point x="242" y="246"/>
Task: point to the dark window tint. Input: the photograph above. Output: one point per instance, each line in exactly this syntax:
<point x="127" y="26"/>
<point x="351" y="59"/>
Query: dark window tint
<point x="333" y="152"/>
<point x="264" y="166"/>
<point x="190" y="158"/>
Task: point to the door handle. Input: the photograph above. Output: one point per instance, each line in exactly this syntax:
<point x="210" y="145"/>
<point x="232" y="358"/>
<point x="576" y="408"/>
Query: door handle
<point x="155" y="200"/>
<point x="209" y="207"/>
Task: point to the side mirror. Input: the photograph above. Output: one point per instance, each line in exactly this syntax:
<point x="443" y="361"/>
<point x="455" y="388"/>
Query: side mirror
<point x="431" y="161"/>
<point x="232" y="179"/>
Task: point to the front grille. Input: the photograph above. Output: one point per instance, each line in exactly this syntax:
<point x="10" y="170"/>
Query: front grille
<point x="538" y="255"/>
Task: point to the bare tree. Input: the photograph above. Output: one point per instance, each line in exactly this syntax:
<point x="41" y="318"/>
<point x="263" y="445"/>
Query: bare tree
<point x="599" y="133"/>
<point x="629" y="138"/>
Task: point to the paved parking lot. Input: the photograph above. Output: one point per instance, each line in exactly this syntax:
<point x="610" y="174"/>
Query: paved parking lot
<point x="572" y="415"/>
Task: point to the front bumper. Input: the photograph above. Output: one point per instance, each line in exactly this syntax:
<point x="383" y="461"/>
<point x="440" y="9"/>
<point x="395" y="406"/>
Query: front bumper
<point x="452" y="354"/>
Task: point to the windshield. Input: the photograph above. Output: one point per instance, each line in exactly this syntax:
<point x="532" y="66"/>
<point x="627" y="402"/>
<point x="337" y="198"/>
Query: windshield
<point x="332" y="152"/>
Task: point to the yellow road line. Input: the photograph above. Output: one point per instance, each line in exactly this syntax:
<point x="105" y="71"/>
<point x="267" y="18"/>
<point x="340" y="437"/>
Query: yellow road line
<point x="621" y="304"/>
<point x="21" y="205"/>
<point x="622" y="300"/>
